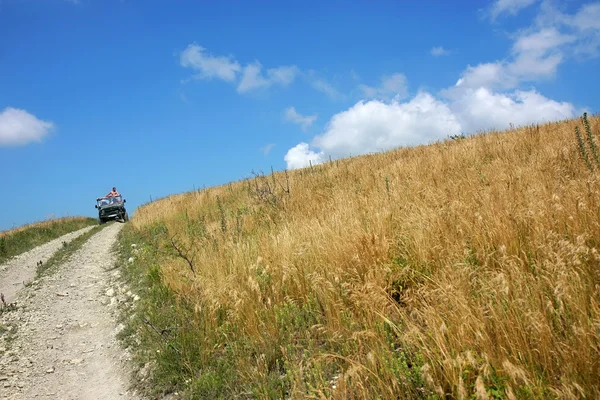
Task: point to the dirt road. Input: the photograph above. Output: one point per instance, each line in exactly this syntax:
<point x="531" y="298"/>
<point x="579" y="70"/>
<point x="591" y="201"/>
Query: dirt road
<point x="21" y="269"/>
<point x="65" y="346"/>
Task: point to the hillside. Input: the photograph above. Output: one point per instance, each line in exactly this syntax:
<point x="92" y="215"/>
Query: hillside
<point x="466" y="267"/>
<point x="20" y="239"/>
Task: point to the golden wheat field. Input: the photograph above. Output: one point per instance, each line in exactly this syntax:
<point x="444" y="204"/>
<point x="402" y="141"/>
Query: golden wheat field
<point x="467" y="268"/>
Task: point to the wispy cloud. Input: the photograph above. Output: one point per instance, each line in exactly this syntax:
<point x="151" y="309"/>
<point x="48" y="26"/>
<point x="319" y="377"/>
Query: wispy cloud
<point x="207" y="65"/>
<point x="18" y="127"/>
<point x="439" y="51"/>
<point x="584" y="25"/>
<point x="325" y="87"/>
<point x="539" y="50"/>
<point x="267" y="148"/>
<point x="511" y="7"/>
<point x="305" y="121"/>
<point x="252" y="77"/>
<point x="391" y="86"/>
<point x="227" y="68"/>
<point x="182" y="96"/>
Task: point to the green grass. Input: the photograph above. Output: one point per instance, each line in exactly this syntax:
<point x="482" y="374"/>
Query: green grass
<point x="65" y="252"/>
<point x="20" y="240"/>
<point x="147" y="324"/>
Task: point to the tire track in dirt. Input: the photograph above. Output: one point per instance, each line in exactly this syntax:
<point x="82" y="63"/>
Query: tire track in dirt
<point x="21" y="269"/>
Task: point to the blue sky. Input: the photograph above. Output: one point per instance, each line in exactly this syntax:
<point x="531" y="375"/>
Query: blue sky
<point x="159" y="97"/>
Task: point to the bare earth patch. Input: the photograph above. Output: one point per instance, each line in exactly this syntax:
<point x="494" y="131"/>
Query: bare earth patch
<point x="65" y="345"/>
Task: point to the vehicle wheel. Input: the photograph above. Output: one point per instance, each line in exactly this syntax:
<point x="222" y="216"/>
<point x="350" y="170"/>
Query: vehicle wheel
<point x="101" y="221"/>
<point x="126" y="217"/>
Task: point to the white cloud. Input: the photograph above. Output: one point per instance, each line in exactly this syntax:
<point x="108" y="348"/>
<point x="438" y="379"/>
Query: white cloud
<point x="554" y="36"/>
<point x="376" y="126"/>
<point x="252" y="77"/>
<point x="486" y="96"/>
<point x="491" y="75"/>
<point x="535" y="55"/>
<point x="539" y="42"/>
<point x="390" y="86"/>
<point x="18" y="127"/>
<point x="301" y="156"/>
<point x="584" y="25"/>
<point x="293" y="116"/>
<point x="439" y="51"/>
<point x="283" y="75"/>
<point x="207" y="65"/>
<point x="511" y="7"/>
<point x="481" y="109"/>
<point x="587" y="18"/>
<point x="539" y="54"/>
<point x="249" y="77"/>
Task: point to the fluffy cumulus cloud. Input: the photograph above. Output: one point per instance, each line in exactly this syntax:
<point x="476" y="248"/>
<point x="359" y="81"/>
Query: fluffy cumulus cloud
<point x="305" y="121"/>
<point x="480" y="109"/>
<point x="18" y="127"/>
<point x="376" y="125"/>
<point x="301" y="156"/>
<point x="486" y="96"/>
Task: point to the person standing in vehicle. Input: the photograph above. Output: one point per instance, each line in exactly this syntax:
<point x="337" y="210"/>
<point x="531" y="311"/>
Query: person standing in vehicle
<point x="114" y="194"/>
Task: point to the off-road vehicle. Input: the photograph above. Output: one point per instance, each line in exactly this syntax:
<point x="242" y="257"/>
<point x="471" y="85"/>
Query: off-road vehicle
<point x="110" y="208"/>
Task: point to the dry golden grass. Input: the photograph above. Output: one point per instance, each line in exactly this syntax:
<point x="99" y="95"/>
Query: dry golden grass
<point x="41" y="224"/>
<point x="468" y="268"/>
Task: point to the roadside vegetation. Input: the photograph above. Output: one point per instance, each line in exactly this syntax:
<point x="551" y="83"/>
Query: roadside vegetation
<point x="466" y="268"/>
<point x="19" y="240"/>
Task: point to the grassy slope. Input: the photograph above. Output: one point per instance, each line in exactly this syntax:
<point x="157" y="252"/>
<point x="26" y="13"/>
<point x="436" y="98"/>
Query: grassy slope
<point x="466" y="267"/>
<point x="22" y="239"/>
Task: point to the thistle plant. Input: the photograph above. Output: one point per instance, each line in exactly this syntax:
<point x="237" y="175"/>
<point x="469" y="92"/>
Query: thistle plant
<point x="590" y="139"/>
<point x="581" y="146"/>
